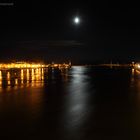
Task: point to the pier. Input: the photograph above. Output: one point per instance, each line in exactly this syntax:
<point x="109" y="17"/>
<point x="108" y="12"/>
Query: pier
<point x="22" y="65"/>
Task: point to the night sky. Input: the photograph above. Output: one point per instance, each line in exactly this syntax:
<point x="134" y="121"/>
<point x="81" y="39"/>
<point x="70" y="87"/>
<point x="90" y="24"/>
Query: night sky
<point x="39" y="31"/>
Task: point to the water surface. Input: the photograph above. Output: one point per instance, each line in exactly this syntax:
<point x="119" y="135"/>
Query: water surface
<point x="83" y="103"/>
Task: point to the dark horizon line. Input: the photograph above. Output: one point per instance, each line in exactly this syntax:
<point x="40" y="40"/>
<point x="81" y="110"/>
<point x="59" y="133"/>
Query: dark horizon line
<point x="83" y="62"/>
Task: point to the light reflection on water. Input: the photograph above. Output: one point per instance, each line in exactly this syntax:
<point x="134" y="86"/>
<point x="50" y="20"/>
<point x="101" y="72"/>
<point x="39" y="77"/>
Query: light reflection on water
<point x="77" y="107"/>
<point x="80" y="103"/>
<point x="77" y="98"/>
<point x="21" y="78"/>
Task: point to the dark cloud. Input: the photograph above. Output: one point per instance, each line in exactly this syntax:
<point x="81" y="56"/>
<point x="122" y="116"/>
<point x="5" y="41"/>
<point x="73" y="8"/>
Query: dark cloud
<point x="39" y="44"/>
<point x="46" y="50"/>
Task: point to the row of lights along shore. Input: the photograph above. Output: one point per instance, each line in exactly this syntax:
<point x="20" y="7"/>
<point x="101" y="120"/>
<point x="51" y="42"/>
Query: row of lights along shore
<point x="32" y="65"/>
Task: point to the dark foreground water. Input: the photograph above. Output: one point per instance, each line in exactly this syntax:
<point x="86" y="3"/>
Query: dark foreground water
<point x="83" y="103"/>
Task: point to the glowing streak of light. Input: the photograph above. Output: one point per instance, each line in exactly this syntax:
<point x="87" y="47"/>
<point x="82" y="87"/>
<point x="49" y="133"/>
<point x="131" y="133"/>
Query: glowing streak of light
<point x="9" y="82"/>
<point x="16" y="81"/>
<point x="0" y="75"/>
<point x="8" y="76"/>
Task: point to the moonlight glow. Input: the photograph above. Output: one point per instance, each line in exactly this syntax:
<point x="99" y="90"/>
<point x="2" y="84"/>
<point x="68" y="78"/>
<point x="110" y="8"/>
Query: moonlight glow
<point x="76" y="20"/>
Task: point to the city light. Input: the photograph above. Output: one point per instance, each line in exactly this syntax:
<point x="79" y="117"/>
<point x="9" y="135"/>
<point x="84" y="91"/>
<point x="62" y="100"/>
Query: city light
<point x="23" y="73"/>
<point x="32" y="65"/>
<point x="138" y="66"/>
<point x="0" y="75"/>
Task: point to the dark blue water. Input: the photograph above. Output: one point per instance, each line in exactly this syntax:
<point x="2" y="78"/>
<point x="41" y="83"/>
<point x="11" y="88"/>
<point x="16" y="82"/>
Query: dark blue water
<point x="83" y="103"/>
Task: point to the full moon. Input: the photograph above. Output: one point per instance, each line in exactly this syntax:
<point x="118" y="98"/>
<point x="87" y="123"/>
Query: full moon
<point x="76" y="20"/>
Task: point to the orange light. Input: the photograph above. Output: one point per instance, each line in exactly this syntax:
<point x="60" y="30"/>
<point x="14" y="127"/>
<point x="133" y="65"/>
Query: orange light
<point x="138" y="66"/>
<point x="0" y="75"/>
